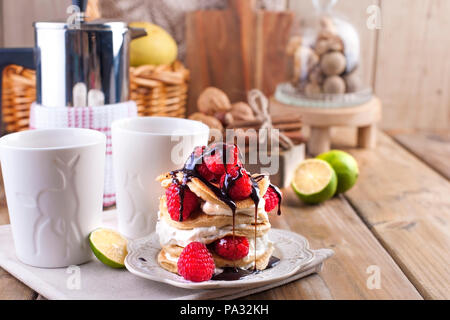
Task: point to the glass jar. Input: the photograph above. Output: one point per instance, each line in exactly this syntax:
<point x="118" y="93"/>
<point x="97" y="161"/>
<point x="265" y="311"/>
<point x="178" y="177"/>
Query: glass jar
<point x="324" y="62"/>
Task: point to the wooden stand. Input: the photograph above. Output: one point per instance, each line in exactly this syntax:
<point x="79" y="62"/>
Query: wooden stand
<point x="320" y="120"/>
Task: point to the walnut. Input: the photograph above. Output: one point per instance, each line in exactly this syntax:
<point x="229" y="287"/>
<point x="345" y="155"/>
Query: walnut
<point x="321" y="47"/>
<point x="304" y="60"/>
<point x="316" y="76"/>
<point x="210" y="121"/>
<point x="312" y="89"/>
<point x="336" y="44"/>
<point x="334" y="85"/>
<point x="326" y="45"/>
<point x="213" y="100"/>
<point x="333" y="63"/>
<point x="353" y="82"/>
<point x="242" y="111"/>
<point x="226" y="118"/>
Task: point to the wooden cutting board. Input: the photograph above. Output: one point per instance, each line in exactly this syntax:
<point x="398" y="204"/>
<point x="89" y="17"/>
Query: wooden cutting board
<point x="236" y="49"/>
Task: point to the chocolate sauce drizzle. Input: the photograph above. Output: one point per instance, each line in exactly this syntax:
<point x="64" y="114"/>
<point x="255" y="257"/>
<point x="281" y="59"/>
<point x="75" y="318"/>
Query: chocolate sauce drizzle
<point x="275" y="188"/>
<point x="231" y="274"/>
<point x="189" y="171"/>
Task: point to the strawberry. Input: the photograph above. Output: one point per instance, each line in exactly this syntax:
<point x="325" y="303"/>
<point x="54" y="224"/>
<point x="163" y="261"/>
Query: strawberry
<point x="196" y="263"/>
<point x="216" y="160"/>
<point x="236" y="183"/>
<point x="190" y="201"/>
<point x="271" y="199"/>
<point x="232" y="249"/>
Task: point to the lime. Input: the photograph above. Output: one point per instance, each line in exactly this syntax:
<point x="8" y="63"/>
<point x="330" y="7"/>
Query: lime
<point x="314" y="181"/>
<point x="344" y="165"/>
<point x="109" y="247"/>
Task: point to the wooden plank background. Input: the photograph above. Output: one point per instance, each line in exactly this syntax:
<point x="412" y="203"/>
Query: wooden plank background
<point x="405" y="61"/>
<point x="412" y="64"/>
<point x="432" y="147"/>
<point x="18" y="17"/>
<point x="405" y="204"/>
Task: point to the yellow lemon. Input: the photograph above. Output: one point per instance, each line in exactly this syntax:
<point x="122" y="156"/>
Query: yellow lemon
<point x="157" y="47"/>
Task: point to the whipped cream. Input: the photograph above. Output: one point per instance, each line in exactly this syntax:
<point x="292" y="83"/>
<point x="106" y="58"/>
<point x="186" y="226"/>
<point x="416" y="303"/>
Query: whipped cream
<point x="169" y="235"/>
<point x="214" y="209"/>
<point x="261" y="246"/>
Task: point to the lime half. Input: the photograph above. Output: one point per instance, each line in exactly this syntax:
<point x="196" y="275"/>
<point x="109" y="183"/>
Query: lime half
<point x="314" y="181"/>
<point x="344" y="165"/>
<point x="109" y="247"/>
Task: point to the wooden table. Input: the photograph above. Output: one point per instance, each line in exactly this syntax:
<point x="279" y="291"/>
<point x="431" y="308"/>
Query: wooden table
<point x="396" y="220"/>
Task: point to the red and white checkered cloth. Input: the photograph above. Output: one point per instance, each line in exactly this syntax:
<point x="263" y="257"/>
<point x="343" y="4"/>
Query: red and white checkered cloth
<point x="97" y="118"/>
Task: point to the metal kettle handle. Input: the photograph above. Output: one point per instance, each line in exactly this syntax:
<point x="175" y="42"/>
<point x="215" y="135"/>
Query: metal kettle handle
<point x="82" y="4"/>
<point x="137" y="32"/>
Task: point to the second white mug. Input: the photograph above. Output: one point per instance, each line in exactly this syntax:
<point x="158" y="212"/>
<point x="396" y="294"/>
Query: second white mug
<point x="144" y="148"/>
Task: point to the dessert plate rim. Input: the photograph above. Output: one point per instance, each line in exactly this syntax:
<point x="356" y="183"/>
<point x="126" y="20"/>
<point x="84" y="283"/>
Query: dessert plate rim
<point x="292" y="249"/>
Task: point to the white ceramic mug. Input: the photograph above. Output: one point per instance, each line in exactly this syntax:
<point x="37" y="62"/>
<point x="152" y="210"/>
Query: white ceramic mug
<point x="144" y="148"/>
<point x="54" y="190"/>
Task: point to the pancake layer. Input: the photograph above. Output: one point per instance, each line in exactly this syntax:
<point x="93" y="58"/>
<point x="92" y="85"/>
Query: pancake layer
<point x="213" y="223"/>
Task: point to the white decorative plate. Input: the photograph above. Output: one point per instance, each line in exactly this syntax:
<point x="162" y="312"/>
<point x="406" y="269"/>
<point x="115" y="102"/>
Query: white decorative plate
<point x="291" y="248"/>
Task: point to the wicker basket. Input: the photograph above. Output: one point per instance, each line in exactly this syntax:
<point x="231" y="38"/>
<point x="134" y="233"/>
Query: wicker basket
<point x="18" y="92"/>
<point x="157" y="90"/>
<point x="160" y="90"/>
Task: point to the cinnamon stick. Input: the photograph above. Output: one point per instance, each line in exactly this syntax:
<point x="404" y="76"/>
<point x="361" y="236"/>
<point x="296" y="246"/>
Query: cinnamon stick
<point x="244" y="124"/>
<point x="288" y="126"/>
<point x="286" y="119"/>
<point x="295" y="136"/>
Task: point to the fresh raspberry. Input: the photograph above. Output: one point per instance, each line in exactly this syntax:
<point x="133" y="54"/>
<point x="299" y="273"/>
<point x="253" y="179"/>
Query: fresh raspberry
<point x="196" y="263"/>
<point x="271" y="199"/>
<point x="214" y="164"/>
<point x="201" y="167"/>
<point x="232" y="250"/>
<point x="203" y="170"/>
<point x="173" y="195"/>
<point x="216" y="160"/>
<point x="236" y="183"/>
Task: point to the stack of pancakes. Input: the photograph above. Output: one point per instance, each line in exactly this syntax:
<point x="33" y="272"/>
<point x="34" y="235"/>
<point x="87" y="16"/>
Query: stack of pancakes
<point x="212" y="221"/>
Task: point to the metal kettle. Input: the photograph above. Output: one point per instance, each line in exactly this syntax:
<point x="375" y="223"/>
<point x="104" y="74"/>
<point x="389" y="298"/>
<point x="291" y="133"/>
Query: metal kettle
<point x="74" y="53"/>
